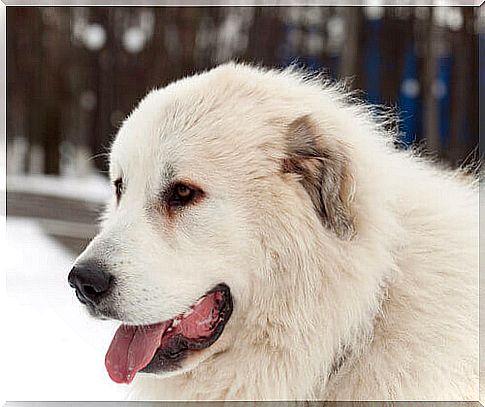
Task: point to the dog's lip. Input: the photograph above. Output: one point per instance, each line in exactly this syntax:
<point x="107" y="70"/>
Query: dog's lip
<point x="170" y="358"/>
<point x="169" y="341"/>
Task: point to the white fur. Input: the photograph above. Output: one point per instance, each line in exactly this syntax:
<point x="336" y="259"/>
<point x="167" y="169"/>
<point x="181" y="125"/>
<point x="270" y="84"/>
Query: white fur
<point x="400" y="298"/>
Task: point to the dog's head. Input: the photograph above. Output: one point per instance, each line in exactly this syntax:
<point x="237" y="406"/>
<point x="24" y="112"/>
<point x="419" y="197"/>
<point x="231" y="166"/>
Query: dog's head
<point x="213" y="177"/>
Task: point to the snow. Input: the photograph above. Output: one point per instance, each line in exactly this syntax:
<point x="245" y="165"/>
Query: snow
<point x="93" y="188"/>
<point x="94" y="36"/>
<point x="134" y="39"/>
<point x="55" y="350"/>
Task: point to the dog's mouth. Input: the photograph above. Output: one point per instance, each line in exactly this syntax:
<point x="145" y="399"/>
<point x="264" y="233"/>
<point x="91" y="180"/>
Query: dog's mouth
<point x="161" y="346"/>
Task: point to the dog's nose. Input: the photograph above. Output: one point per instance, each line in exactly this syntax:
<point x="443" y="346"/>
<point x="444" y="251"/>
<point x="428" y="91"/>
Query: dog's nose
<point x="90" y="281"/>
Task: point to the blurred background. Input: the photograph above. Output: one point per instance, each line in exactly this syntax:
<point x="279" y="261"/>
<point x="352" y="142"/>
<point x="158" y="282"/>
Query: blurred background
<point x="74" y="73"/>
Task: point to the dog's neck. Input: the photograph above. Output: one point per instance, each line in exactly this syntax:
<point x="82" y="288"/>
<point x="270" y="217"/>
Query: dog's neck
<point x="292" y="340"/>
<point x="291" y="316"/>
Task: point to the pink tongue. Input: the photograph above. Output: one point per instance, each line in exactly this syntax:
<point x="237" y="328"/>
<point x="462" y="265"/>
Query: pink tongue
<point x="131" y="349"/>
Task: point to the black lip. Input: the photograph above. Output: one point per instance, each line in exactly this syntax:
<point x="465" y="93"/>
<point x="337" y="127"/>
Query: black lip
<point x="169" y="358"/>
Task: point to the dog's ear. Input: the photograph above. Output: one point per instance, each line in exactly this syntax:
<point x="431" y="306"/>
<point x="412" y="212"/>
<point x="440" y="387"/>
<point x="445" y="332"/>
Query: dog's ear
<point x="325" y="173"/>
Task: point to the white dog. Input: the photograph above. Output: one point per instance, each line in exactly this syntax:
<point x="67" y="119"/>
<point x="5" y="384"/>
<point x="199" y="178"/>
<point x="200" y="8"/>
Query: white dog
<point x="267" y="241"/>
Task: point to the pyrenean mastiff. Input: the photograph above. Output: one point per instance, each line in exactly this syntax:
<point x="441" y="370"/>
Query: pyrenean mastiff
<point x="266" y="240"/>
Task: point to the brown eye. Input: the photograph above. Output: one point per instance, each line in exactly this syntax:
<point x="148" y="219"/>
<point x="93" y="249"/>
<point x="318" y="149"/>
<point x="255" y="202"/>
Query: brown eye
<point x="183" y="191"/>
<point x="183" y="194"/>
<point x="118" y="188"/>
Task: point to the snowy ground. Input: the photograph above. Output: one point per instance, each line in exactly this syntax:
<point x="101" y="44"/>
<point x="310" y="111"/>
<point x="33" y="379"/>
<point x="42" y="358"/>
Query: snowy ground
<point x="94" y="187"/>
<point x="55" y="350"/>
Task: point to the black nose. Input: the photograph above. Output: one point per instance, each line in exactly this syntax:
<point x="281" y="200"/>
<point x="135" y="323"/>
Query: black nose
<point x="91" y="281"/>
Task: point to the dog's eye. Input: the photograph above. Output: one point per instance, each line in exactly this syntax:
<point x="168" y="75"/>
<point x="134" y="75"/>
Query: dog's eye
<point x="118" y="184"/>
<point x="183" y="194"/>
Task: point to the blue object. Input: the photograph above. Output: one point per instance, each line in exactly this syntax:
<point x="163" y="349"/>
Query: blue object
<point x="443" y="96"/>
<point x="410" y="99"/>
<point x="373" y="62"/>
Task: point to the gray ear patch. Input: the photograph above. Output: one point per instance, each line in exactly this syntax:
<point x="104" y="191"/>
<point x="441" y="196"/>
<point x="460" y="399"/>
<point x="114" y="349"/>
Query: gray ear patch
<point x="325" y="175"/>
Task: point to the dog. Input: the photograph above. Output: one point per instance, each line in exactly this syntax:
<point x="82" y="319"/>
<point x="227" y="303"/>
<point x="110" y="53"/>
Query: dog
<point x="266" y="240"/>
